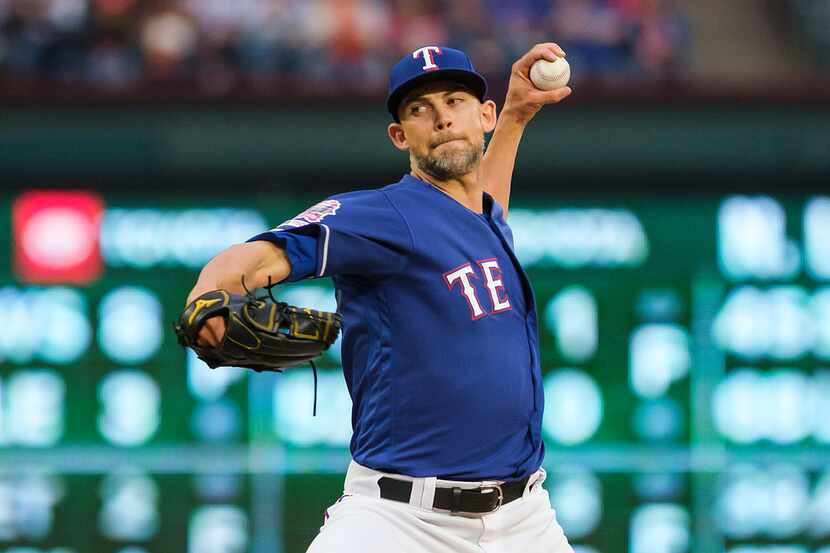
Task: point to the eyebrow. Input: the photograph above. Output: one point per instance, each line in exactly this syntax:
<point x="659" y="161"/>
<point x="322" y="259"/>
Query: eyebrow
<point x="457" y="88"/>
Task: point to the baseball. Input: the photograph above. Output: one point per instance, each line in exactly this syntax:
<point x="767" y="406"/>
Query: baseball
<point x="550" y="75"/>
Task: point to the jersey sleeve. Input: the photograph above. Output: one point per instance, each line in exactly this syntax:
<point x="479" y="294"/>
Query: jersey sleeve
<point x="300" y="248"/>
<point x="358" y="233"/>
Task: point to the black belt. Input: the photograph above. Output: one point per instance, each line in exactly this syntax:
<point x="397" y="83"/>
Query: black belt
<point x="485" y="499"/>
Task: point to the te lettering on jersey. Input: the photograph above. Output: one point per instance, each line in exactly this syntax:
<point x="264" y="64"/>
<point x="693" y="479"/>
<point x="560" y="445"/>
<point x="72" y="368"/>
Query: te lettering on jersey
<point x="461" y="279"/>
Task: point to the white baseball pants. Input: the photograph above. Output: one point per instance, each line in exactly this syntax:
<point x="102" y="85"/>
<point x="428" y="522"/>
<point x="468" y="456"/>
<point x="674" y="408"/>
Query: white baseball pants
<point x="362" y="522"/>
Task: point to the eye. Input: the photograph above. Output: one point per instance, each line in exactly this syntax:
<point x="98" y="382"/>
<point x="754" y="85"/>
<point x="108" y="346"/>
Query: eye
<point x="417" y="109"/>
<point x="454" y="100"/>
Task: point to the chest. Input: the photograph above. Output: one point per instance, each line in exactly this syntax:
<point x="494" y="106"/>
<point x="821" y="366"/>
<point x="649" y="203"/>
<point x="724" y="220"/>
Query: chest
<point x="466" y="266"/>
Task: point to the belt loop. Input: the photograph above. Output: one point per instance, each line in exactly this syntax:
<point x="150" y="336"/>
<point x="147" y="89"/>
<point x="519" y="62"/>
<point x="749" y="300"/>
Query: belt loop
<point x="536" y="479"/>
<point x="417" y="490"/>
<point x="427" y="495"/>
<point x="351" y="476"/>
<point x="361" y="481"/>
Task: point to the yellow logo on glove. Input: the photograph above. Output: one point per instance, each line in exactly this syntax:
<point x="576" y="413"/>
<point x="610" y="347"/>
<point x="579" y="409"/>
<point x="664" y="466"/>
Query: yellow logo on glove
<point x="200" y="304"/>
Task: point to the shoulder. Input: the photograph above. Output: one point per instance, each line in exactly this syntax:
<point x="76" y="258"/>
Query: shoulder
<point x="374" y="201"/>
<point x="333" y="206"/>
<point x="378" y="205"/>
<point x="357" y="197"/>
<point x="406" y="185"/>
<point x="395" y="197"/>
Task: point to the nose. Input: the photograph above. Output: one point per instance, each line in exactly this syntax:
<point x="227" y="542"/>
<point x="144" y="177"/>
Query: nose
<point x="442" y="118"/>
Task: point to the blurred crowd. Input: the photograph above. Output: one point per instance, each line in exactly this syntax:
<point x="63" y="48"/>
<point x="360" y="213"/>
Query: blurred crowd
<point x="218" y="46"/>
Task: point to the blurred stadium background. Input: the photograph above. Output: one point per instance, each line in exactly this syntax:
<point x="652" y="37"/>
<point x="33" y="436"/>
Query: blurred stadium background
<point x="674" y="215"/>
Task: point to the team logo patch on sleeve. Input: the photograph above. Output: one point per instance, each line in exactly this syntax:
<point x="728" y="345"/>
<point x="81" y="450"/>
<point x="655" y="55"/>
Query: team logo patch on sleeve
<point x="313" y="214"/>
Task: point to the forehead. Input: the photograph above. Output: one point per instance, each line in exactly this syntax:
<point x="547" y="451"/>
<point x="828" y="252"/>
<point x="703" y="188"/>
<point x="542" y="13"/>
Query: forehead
<point x="435" y="88"/>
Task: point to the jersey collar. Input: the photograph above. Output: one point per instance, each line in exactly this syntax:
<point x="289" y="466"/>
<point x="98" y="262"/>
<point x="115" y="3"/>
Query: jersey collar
<point x="491" y="207"/>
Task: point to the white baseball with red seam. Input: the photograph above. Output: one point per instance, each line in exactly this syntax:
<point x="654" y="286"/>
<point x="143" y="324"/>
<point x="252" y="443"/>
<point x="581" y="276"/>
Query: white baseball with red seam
<point x="550" y="75"/>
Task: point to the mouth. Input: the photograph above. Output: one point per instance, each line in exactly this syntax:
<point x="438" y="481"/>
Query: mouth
<point x="446" y="142"/>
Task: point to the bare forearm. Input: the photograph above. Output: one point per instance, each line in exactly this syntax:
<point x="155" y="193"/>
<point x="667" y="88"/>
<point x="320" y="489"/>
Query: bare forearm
<point x="255" y="261"/>
<point x="500" y="159"/>
<point x="521" y="104"/>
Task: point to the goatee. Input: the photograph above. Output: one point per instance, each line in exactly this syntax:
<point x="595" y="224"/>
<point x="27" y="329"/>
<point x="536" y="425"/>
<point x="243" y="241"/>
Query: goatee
<point x="452" y="162"/>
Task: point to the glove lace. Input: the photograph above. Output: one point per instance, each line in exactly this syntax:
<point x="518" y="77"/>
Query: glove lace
<point x="314" y="371"/>
<point x="252" y="298"/>
<point x="269" y="287"/>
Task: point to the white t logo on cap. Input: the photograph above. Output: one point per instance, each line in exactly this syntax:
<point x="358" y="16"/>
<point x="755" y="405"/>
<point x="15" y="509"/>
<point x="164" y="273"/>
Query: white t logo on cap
<point x="426" y="52"/>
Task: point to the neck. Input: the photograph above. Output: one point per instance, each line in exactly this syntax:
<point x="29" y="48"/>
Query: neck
<point x="466" y="189"/>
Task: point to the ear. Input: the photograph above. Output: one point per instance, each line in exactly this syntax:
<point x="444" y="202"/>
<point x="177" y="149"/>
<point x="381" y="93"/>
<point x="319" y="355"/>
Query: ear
<point x="488" y="116"/>
<point x="397" y="136"/>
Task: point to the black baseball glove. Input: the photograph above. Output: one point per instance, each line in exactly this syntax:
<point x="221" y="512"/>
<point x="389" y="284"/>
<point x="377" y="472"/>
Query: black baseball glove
<point x="260" y="334"/>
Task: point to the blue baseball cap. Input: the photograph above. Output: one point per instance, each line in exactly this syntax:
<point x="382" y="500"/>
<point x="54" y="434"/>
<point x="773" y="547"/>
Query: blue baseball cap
<point x="432" y="63"/>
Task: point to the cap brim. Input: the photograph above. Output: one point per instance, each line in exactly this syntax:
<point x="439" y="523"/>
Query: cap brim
<point x="470" y="79"/>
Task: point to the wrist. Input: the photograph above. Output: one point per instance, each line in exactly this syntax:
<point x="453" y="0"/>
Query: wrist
<point x="198" y="290"/>
<point x="513" y="119"/>
<point x="207" y="283"/>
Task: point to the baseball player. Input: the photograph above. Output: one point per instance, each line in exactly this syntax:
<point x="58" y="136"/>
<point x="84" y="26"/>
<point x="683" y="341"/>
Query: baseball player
<point x="440" y="342"/>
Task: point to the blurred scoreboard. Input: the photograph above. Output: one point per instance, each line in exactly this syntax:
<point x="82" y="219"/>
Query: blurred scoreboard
<point x="686" y="359"/>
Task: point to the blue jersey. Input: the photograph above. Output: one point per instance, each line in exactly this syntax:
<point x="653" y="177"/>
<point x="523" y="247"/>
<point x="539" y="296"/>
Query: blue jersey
<point x="440" y="341"/>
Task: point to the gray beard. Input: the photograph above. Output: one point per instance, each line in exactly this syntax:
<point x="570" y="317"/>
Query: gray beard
<point x="451" y="164"/>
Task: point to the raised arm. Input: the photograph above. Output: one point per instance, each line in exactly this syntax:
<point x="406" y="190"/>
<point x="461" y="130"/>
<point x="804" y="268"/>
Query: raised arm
<point x="255" y="261"/>
<point x="522" y="102"/>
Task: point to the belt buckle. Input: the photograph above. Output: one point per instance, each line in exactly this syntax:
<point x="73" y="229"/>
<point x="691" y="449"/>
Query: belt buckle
<point x="494" y="488"/>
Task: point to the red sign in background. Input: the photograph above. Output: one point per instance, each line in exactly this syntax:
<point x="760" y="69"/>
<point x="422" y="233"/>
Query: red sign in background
<point x="56" y="237"/>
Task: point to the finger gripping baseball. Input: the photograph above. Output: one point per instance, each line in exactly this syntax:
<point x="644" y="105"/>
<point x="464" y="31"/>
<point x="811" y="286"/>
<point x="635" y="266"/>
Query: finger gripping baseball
<point x="260" y="334"/>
